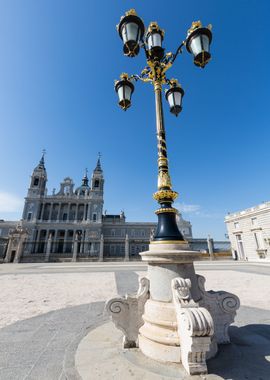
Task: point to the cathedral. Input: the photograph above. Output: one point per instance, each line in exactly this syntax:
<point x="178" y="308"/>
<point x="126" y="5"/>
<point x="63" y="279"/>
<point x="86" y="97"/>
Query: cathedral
<point x="70" y="224"/>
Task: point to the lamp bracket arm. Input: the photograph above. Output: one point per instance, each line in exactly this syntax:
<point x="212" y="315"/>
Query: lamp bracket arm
<point x="178" y="51"/>
<point x="137" y="77"/>
<point x="143" y="45"/>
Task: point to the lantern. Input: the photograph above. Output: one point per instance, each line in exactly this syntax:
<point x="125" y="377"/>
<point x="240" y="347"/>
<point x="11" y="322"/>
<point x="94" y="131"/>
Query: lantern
<point x="124" y="89"/>
<point x="174" y="96"/>
<point x="154" y="40"/>
<point x="131" y="31"/>
<point x="198" y="43"/>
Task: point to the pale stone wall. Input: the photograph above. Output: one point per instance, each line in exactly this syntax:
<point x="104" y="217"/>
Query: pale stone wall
<point x="252" y="228"/>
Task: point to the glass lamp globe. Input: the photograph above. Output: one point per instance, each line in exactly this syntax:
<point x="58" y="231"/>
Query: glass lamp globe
<point x="124" y="89"/>
<point x="198" y="43"/>
<point x="174" y="96"/>
<point x="131" y="31"/>
<point x="154" y="40"/>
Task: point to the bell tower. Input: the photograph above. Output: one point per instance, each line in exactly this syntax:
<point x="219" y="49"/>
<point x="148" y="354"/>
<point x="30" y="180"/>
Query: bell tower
<point x="97" y="180"/>
<point x="36" y="191"/>
<point x="38" y="182"/>
<point x="97" y="185"/>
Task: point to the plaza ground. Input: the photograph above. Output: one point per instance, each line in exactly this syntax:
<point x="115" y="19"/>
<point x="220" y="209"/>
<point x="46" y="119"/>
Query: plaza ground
<point x="47" y="310"/>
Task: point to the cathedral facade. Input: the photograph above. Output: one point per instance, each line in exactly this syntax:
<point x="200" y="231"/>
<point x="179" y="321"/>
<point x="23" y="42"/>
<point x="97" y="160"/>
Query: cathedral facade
<point x="70" y="224"/>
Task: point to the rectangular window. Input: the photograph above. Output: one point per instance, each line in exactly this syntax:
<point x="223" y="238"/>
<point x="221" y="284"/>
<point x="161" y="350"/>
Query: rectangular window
<point x="240" y="251"/>
<point x="259" y="240"/>
<point x="256" y="241"/>
<point x="94" y="217"/>
<point x="236" y="224"/>
<point x="253" y="221"/>
<point x="29" y="216"/>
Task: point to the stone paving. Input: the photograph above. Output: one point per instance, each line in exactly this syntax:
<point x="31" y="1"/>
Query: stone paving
<point x="38" y="340"/>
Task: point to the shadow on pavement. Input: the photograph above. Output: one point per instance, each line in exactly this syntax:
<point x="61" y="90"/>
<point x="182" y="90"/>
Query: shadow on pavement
<point x="247" y="357"/>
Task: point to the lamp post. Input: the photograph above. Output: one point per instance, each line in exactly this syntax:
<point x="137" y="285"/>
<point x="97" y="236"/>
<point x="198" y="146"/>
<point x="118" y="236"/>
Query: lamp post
<point x="172" y="318"/>
<point x="131" y="30"/>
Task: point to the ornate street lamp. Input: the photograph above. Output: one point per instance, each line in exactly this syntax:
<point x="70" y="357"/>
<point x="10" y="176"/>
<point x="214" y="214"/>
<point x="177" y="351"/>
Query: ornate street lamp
<point x="172" y="318"/>
<point x="131" y="30"/>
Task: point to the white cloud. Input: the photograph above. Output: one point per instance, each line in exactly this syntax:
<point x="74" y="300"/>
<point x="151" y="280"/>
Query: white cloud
<point x="10" y="202"/>
<point x="182" y="207"/>
<point x="197" y="210"/>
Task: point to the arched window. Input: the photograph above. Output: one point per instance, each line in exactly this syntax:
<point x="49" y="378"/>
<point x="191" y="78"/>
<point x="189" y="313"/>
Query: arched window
<point x="36" y="181"/>
<point x="94" y="217"/>
<point x="96" y="184"/>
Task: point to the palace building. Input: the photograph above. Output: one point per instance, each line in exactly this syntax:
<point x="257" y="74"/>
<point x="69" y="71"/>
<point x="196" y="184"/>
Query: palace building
<point x="249" y="233"/>
<point x="70" y="224"/>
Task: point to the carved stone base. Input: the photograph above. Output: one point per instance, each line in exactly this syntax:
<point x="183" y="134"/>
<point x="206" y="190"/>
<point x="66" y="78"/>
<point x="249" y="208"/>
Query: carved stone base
<point x="158" y="338"/>
<point x="173" y="318"/>
<point x="158" y="351"/>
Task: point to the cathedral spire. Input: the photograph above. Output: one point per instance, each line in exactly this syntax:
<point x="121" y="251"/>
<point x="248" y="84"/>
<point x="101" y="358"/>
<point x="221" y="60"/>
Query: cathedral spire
<point x="85" y="179"/>
<point x="98" y="166"/>
<point x="41" y="164"/>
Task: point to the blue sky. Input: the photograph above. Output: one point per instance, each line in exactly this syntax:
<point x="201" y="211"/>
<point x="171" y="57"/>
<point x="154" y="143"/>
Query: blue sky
<point x="58" y="63"/>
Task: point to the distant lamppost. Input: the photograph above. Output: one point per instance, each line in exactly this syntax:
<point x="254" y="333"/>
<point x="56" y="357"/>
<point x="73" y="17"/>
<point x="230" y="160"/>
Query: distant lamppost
<point x="132" y="32"/>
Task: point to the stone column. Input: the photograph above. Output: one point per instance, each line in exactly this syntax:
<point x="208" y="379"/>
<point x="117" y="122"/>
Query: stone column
<point x="19" y="249"/>
<point x="68" y="212"/>
<point x="37" y="241"/>
<point x="48" y="248"/>
<point x="9" y="249"/>
<point x="126" y="248"/>
<point x="101" y="249"/>
<point x="82" y="241"/>
<point x="65" y="242"/>
<point x="50" y="214"/>
<point x="88" y="212"/>
<point x="75" y="249"/>
<point x="42" y="212"/>
<point x="59" y="210"/>
<point x="85" y="212"/>
<point x="76" y="212"/>
<point x="210" y="245"/>
<point x="55" y="241"/>
<point x="92" y="251"/>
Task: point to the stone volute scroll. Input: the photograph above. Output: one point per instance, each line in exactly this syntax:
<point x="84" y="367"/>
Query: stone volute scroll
<point x="195" y="327"/>
<point x="126" y="313"/>
<point x="222" y="307"/>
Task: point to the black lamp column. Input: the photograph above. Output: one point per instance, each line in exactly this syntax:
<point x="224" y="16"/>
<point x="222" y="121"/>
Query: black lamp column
<point x="167" y="229"/>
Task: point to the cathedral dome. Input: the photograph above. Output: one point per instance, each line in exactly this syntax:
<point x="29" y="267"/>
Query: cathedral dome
<point x="84" y="189"/>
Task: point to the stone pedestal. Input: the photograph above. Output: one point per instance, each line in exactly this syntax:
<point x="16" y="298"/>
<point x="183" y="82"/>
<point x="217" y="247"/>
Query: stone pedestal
<point x="75" y="250"/>
<point x="179" y="322"/>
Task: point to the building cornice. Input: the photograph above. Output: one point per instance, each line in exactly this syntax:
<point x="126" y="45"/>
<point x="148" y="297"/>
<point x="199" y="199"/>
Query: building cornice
<point x="256" y="210"/>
